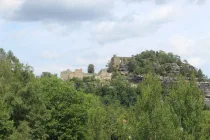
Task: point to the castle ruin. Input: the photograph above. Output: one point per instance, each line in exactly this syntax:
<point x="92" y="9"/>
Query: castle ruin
<point x="119" y="62"/>
<point x="78" y="73"/>
<point x="104" y="75"/>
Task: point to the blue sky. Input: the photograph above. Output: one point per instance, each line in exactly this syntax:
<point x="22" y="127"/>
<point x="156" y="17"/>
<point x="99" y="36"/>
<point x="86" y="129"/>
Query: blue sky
<point x="55" y="35"/>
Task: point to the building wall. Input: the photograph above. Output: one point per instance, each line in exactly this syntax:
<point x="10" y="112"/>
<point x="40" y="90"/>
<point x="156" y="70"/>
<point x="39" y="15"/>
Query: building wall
<point x="117" y="61"/>
<point x="102" y="75"/>
<point x="65" y="75"/>
<point x="78" y="73"/>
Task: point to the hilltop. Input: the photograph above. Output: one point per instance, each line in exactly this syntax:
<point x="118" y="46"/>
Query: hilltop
<point x="157" y="62"/>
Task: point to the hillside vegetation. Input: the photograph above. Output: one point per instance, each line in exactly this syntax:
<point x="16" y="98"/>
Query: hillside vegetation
<point x="162" y="63"/>
<point x="48" y="108"/>
<point x="157" y="62"/>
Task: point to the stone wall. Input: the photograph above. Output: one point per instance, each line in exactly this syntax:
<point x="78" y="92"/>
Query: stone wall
<point x="205" y="87"/>
<point x="78" y="73"/>
<point x="65" y="74"/>
<point x="102" y="75"/>
<point x="117" y="61"/>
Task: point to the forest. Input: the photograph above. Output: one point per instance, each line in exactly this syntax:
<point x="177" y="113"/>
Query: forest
<point x="48" y="108"/>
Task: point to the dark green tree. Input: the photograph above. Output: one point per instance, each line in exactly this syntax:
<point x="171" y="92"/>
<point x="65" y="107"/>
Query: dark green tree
<point x="68" y="112"/>
<point x="200" y="75"/>
<point x="153" y="118"/>
<point x="6" y="125"/>
<point x="186" y="103"/>
<point x="91" y="68"/>
<point x="48" y="108"/>
<point x="47" y="74"/>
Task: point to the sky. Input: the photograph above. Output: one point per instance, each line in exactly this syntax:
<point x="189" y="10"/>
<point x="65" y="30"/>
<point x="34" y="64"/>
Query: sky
<point x="55" y="35"/>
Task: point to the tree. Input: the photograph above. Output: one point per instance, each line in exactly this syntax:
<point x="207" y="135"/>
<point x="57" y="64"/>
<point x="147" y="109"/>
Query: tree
<point x="68" y="112"/>
<point x="200" y="75"/>
<point x="48" y="108"/>
<point x="22" y="132"/>
<point x="185" y="61"/>
<point x="186" y="103"/>
<point x="47" y="74"/>
<point x="97" y="118"/>
<point x="153" y="118"/>
<point x="205" y="124"/>
<point x="6" y="125"/>
<point x="91" y="68"/>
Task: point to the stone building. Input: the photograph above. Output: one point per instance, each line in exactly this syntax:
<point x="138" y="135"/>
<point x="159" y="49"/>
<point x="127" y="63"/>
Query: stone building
<point x="119" y="63"/>
<point x="104" y="75"/>
<point x="78" y="73"/>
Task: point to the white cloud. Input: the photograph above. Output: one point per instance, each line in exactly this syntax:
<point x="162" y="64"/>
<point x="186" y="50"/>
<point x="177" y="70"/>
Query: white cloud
<point x="197" y="61"/>
<point x="198" y="1"/>
<point x="63" y="10"/>
<point x="86" y="61"/>
<point x="164" y="12"/>
<point x="155" y="1"/>
<point x="195" y="51"/>
<point x="7" y="7"/>
<point x="52" y="68"/>
<point x="168" y="1"/>
<point x="181" y="45"/>
<point x="49" y="54"/>
<point x="110" y="31"/>
<point x="132" y="28"/>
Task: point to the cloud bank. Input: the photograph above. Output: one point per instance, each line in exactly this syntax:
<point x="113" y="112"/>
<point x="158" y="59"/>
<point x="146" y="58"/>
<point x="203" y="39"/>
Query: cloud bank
<point x="62" y="10"/>
<point x="57" y="34"/>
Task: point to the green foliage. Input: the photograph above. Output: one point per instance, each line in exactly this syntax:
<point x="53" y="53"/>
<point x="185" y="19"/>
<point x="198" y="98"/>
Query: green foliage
<point x="22" y="132"/>
<point x="68" y="114"/>
<point x="205" y="125"/>
<point x="48" y="108"/>
<point x="153" y="119"/>
<point x="97" y="121"/>
<point x="200" y="75"/>
<point x="187" y="103"/>
<point x="91" y="68"/>
<point x="48" y="74"/>
<point x="161" y="63"/>
<point x="6" y="125"/>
